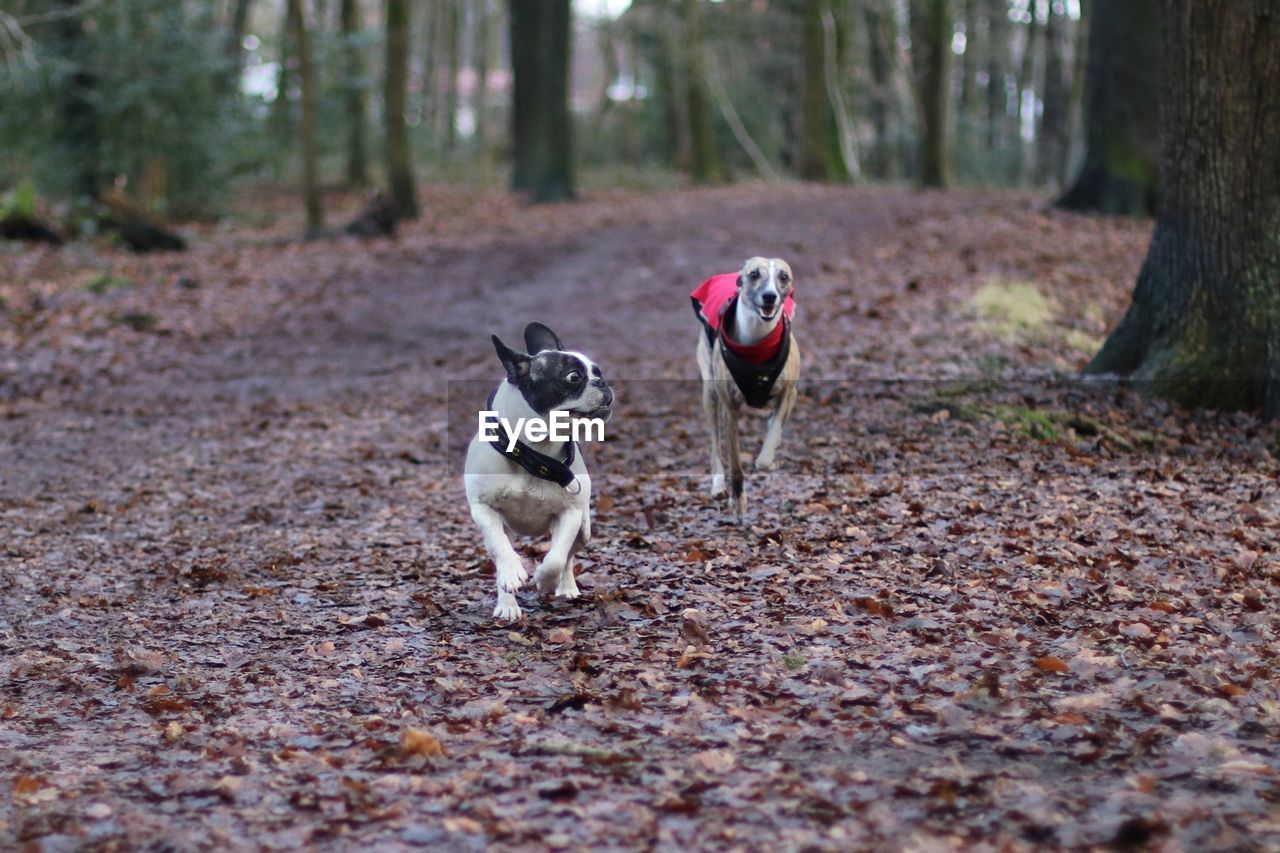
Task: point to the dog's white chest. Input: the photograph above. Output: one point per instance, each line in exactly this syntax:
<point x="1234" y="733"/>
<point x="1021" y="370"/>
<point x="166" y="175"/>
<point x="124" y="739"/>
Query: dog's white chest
<point x="528" y="506"/>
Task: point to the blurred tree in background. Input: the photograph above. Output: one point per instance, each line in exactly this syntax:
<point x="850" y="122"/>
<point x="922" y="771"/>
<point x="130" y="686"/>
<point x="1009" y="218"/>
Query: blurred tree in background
<point x="541" y="127"/>
<point x="176" y="102"/>
<point x="127" y="93"/>
<point x="1122" y="111"/>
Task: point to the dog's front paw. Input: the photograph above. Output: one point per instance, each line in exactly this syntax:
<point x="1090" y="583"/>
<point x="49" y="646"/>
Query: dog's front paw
<point x="507" y="610"/>
<point x="568" y="586"/>
<point x="511" y="575"/>
<point x="717" y="485"/>
<point x="739" y="507"/>
<point x="766" y="463"/>
<point x="547" y="576"/>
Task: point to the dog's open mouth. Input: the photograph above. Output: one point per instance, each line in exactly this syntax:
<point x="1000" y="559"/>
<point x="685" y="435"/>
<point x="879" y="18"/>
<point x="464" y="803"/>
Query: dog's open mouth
<point x="767" y="313"/>
<point x="601" y="412"/>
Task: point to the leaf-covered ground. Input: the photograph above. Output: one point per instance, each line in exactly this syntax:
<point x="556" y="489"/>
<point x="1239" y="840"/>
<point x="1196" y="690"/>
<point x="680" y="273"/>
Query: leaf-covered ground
<point x="982" y="604"/>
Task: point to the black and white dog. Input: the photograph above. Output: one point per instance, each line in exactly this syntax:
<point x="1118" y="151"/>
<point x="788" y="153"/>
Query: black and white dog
<point x="540" y="485"/>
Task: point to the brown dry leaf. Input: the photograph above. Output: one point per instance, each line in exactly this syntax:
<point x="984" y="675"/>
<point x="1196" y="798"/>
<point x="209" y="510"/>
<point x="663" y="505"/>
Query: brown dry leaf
<point x="715" y="760"/>
<point x="693" y="625"/>
<point x="561" y="636"/>
<point x="462" y="823"/>
<point x="691" y="655"/>
<point x="1136" y="630"/>
<point x="24" y="785"/>
<point x="98" y="811"/>
<point x="1049" y="663"/>
<point x="228" y="786"/>
<point x="420" y="742"/>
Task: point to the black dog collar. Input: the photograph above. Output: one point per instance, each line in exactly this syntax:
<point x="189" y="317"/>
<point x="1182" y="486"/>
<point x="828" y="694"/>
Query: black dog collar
<point x="540" y="465"/>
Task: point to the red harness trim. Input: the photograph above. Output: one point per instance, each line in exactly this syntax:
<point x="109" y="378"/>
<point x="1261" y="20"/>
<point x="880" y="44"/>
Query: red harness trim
<point x="761" y="351"/>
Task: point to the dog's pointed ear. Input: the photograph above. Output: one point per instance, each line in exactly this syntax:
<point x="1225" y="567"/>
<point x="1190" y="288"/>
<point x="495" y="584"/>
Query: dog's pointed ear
<point x="538" y="337"/>
<point x="516" y="363"/>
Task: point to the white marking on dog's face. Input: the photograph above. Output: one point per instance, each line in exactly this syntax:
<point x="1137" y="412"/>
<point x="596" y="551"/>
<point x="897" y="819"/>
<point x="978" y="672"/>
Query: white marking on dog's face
<point x="764" y="284"/>
<point x="570" y="382"/>
<point x="555" y="380"/>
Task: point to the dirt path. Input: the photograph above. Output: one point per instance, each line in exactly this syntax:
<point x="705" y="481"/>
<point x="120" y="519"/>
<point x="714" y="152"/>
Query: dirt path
<point x="978" y="604"/>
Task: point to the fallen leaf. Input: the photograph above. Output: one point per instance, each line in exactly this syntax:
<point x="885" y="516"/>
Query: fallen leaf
<point x="419" y="742"/>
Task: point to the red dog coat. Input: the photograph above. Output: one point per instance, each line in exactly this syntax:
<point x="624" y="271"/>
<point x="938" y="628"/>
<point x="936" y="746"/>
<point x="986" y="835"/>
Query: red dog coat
<point x="754" y="367"/>
<point x="710" y="301"/>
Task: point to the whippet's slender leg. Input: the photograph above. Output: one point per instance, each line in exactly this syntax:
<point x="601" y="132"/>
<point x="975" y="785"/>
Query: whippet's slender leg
<point x="773" y="433"/>
<point x="710" y="408"/>
<point x="729" y="430"/>
<point x="511" y="571"/>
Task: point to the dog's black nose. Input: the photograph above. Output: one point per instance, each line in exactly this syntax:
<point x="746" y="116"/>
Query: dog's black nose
<point x="768" y="300"/>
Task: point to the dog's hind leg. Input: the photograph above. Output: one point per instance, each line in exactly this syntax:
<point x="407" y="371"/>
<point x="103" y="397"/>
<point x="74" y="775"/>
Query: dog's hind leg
<point x="729" y="435"/>
<point x="773" y="432"/>
<point x="511" y="572"/>
<point x="550" y="572"/>
<point x="711" y="405"/>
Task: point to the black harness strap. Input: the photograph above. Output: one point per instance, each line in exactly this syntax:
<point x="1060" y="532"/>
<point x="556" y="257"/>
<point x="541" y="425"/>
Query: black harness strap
<point x="755" y="381"/>
<point x="538" y="464"/>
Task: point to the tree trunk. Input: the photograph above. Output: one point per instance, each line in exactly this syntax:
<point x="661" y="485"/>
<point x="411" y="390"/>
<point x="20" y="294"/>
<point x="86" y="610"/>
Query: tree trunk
<point x="453" y="63"/>
<point x="234" y="48"/>
<point x="399" y="158"/>
<point x="282" y="107"/>
<point x="307" y="82"/>
<point x="1204" y="326"/>
<point x="77" y="108"/>
<point x="1051" y="144"/>
<point x="931" y="30"/>
<point x="997" y="74"/>
<point x="430" y="103"/>
<point x="888" y="108"/>
<point x="353" y="90"/>
<point x="704" y="164"/>
<point x="1075" y="100"/>
<point x="604" y="104"/>
<point x="672" y="84"/>
<point x="821" y="158"/>
<point x="1030" y="73"/>
<point x="541" y="125"/>
<point x="968" y="115"/>
<point x="1122" y="121"/>
<point x="484" y="26"/>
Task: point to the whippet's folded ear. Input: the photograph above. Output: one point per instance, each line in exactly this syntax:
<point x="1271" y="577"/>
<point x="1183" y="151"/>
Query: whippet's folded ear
<point x="516" y="363"/>
<point x="538" y="337"/>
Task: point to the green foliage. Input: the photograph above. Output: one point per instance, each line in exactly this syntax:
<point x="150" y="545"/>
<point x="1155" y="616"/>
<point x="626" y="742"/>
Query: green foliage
<point x="1013" y="307"/>
<point x="793" y="662"/>
<point x="105" y="282"/>
<point x="139" y="321"/>
<point x="19" y="202"/>
<point x="161" y="111"/>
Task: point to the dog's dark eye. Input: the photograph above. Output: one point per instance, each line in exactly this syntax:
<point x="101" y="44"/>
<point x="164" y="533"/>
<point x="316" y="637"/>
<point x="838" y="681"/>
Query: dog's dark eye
<point x="784" y="278"/>
<point x="573" y="377"/>
<point x="754" y="275"/>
